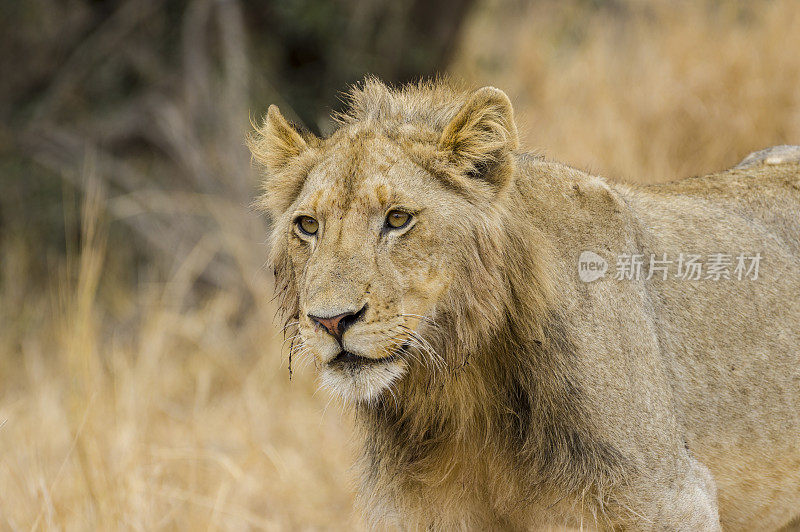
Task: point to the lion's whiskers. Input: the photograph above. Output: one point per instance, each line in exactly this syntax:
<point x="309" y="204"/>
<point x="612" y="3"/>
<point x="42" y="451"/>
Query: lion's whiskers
<point x="396" y="343"/>
<point x="290" y="339"/>
<point x="301" y="352"/>
<point x="425" y="345"/>
<point x="418" y="316"/>
<point x="283" y="329"/>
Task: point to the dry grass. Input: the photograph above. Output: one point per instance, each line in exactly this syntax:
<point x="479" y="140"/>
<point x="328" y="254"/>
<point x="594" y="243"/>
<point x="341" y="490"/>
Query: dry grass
<point x="150" y="408"/>
<point x="647" y="91"/>
<point x="146" y="412"/>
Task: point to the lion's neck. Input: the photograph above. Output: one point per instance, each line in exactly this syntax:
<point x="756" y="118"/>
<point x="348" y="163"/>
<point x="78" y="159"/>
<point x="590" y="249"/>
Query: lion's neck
<point x="509" y="397"/>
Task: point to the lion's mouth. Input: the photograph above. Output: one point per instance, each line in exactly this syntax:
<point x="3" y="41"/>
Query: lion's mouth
<point x="348" y="360"/>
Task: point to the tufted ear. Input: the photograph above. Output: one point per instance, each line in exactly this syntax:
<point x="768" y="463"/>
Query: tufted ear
<point x="482" y="136"/>
<point x="276" y="142"/>
<point x="280" y="149"/>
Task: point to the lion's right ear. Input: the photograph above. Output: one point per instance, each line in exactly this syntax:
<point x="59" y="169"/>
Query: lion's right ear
<point x="275" y="146"/>
<point x="276" y="142"/>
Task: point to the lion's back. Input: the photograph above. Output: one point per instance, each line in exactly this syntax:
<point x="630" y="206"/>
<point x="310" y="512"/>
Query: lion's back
<point x="765" y="195"/>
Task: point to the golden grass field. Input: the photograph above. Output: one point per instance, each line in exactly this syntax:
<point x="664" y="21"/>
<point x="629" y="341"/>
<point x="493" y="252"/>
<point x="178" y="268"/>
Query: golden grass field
<point x="137" y="405"/>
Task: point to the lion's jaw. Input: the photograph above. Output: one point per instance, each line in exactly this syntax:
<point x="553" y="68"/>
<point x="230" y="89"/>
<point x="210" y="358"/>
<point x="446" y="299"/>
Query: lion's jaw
<point x="361" y="382"/>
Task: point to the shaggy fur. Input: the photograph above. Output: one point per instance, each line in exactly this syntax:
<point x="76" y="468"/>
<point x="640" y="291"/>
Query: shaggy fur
<point x="495" y="389"/>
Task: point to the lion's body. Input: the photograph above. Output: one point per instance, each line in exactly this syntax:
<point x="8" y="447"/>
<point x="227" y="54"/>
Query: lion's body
<point x="670" y="371"/>
<point x="634" y="403"/>
<point x="723" y="356"/>
<point x="732" y="348"/>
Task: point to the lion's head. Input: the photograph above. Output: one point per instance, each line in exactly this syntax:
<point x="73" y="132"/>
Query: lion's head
<point x="389" y="230"/>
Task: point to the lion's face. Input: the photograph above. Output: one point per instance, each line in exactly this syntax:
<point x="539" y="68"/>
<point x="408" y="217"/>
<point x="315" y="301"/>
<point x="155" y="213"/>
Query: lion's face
<point x="367" y="244"/>
<point x="374" y="225"/>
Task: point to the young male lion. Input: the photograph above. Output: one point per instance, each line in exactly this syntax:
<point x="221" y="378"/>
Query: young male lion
<point x="526" y="344"/>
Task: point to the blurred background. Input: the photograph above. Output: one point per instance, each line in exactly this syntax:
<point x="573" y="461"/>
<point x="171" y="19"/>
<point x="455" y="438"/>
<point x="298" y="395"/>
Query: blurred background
<point x="143" y="381"/>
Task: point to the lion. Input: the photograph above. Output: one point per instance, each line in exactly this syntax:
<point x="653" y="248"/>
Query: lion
<point x="433" y="270"/>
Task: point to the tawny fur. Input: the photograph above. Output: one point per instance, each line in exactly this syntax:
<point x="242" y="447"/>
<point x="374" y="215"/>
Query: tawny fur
<point x="524" y="396"/>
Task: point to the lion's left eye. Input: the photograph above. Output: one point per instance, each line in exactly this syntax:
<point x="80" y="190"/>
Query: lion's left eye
<point x="397" y="219"/>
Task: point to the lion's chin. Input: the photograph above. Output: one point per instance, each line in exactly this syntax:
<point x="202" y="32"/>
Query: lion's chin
<point x="361" y="379"/>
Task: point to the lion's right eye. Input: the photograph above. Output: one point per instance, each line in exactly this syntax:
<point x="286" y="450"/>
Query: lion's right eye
<point x="307" y="225"/>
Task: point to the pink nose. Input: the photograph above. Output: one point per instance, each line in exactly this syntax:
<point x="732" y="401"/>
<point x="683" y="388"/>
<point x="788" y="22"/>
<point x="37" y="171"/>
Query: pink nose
<point x="332" y="324"/>
<point x="336" y="325"/>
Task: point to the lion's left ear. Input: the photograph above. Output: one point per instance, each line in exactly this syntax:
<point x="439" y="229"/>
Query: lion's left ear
<point x="481" y="137"/>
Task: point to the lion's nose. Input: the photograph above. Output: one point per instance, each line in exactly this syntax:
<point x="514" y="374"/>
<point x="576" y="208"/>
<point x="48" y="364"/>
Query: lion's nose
<point x="338" y="324"/>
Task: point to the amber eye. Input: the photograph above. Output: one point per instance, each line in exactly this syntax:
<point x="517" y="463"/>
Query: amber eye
<point x="397" y="219"/>
<point x="307" y="225"/>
